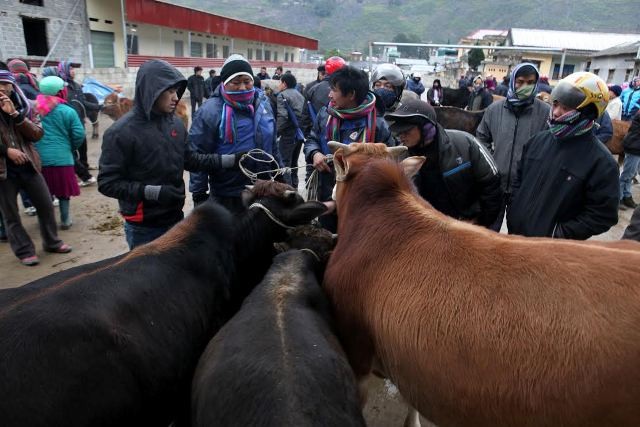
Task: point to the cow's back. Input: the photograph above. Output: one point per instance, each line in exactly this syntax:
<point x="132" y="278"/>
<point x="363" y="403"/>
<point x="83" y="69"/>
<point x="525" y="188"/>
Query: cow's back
<point x="277" y="362"/>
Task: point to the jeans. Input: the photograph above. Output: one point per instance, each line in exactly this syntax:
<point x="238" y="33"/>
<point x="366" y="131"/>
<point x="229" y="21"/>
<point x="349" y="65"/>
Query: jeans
<point x="138" y="235"/>
<point x="629" y="170"/>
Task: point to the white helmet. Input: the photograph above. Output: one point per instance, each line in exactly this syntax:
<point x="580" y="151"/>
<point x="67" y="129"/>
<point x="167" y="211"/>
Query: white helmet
<point x="391" y="74"/>
<point x="579" y="90"/>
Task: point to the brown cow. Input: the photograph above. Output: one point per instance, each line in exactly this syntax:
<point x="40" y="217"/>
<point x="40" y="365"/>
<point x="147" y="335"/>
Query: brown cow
<point x="620" y="129"/>
<point x="457" y="118"/>
<point x="116" y="107"/>
<point x="478" y="328"/>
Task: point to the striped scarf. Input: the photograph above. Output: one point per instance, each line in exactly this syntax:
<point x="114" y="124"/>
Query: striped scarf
<point x="241" y="101"/>
<point x="366" y="109"/>
<point x="24" y="106"/>
<point x="570" y="124"/>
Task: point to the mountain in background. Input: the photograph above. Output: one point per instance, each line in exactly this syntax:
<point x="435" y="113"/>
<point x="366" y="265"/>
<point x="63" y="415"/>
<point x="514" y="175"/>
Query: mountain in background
<point x="350" y="24"/>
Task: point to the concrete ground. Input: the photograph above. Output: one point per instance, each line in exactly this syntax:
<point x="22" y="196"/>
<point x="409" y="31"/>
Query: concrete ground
<point x="97" y="233"/>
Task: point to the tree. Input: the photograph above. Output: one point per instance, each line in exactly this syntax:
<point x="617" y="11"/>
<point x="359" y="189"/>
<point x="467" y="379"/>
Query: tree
<point x="475" y="58"/>
<point x="410" y="51"/>
<point x="334" y="52"/>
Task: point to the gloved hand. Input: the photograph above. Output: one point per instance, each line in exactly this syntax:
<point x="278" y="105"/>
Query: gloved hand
<point x="164" y="194"/>
<point x="230" y="161"/>
<point x="199" y="198"/>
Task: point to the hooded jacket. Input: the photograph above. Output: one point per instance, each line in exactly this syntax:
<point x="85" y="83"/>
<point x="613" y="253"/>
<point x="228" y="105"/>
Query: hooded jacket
<point x="630" y="99"/>
<point x="504" y="131"/>
<point x="145" y="148"/>
<point x="564" y="188"/>
<point x="258" y="131"/>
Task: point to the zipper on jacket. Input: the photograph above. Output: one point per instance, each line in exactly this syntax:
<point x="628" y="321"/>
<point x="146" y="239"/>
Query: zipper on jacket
<point x="513" y="148"/>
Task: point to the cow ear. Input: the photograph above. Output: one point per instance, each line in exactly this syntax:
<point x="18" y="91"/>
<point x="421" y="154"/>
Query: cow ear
<point x="305" y="212"/>
<point x="341" y="165"/>
<point x="411" y="165"/>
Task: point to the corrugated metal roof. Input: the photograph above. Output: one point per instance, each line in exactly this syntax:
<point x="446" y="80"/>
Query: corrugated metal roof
<point x="569" y="39"/>
<point x="621" y="49"/>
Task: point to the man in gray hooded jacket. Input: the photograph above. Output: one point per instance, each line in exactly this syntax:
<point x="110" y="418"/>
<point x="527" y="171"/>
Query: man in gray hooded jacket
<point x="509" y="123"/>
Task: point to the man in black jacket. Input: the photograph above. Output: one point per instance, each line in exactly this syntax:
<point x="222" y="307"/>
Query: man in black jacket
<point x="567" y="182"/>
<point x="459" y="177"/>
<point x="211" y="84"/>
<point x="195" y="84"/>
<point x="145" y="153"/>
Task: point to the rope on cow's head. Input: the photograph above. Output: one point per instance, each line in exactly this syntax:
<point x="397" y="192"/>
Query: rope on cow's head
<point x="270" y="214"/>
<point x="315" y="255"/>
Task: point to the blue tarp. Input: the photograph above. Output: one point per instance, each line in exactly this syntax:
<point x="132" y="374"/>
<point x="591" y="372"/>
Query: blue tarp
<point x="99" y="90"/>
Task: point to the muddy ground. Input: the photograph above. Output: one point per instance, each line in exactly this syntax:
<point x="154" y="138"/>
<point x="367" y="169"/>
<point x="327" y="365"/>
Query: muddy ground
<point x="97" y="233"/>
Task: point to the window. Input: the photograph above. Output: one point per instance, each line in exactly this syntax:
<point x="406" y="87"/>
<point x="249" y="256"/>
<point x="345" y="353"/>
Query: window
<point x="132" y="44"/>
<point x="267" y="55"/>
<point x="102" y="49"/>
<point x="249" y="53"/>
<point x="588" y="66"/>
<point x="210" y="50"/>
<point x="596" y="71"/>
<point x="292" y="58"/>
<point x="259" y="54"/>
<point x="35" y="36"/>
<point x="196" y="49"/>
<point x="275" y="56"/>
<point x="286" y="57"/>
<point x="627" y="74"/>
<point x="215" y="50"/>
<point x="33" y="3"/>
<point x="568" y="69"/>
<point x="178" y="47"/>
<point x="225" y="51"/>
<point x="610" y="75"/>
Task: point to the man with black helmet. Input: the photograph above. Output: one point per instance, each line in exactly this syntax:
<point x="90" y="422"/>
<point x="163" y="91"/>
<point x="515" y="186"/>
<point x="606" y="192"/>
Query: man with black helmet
<point x="387" y="82"/>
<point x="567" y="182"/>
<point x="459" y="177"/>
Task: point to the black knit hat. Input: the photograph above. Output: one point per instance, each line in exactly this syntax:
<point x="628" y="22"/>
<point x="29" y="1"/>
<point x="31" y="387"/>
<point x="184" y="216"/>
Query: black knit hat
<point x="234" y="66"/>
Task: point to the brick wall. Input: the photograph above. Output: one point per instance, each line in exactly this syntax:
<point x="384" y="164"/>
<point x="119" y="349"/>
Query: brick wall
<point x="72" y="45"/>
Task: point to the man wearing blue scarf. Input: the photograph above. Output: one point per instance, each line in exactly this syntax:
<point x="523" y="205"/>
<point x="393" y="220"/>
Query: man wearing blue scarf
<point x="509" y="123"/>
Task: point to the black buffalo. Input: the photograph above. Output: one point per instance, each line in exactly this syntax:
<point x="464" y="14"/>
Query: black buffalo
<point x="116" y="343"/>
<point x="277" y="362"/>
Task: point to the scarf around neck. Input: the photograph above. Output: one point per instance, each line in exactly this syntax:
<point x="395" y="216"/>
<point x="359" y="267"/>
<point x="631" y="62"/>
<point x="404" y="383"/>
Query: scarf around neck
<point x="232" y="102"/>
<point x="570" y="124"/>
<point x="512" y="96"/>
<point x="366" y="109"/>
<point x="47" y="103"/>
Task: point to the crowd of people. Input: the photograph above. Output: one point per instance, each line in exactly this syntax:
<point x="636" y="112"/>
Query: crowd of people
<point x="541" y="166"/>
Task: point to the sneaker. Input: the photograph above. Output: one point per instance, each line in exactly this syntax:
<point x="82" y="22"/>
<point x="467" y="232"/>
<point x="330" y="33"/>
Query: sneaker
<point x="66" y="225"/>
<point x="628" y="202"/>
<point x="62" y="249"/>
<point x="31" y="211"/>
<point x="30" y="261"/>
<point x="88" y="182"/>
<point x="55" y="201"/>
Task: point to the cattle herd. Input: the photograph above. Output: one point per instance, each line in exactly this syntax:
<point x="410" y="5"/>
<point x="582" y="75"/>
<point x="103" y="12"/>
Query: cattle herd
<point x="210" y="326"/>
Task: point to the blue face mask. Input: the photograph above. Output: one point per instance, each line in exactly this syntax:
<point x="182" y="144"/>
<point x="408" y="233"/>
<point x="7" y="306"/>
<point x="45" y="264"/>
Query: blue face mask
<point x="387" y="96"/>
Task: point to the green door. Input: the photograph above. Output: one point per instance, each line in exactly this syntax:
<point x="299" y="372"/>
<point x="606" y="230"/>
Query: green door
<point x="102" y="48"/>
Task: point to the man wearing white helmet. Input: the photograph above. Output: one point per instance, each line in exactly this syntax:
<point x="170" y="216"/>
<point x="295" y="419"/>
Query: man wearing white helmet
<point x="567" y="182"/>
<point x="387" y="82"/>
<point x="414" y="84"/>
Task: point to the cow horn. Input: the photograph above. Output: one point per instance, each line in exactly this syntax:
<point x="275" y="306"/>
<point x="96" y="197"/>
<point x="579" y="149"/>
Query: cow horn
<point x="397" y="151"/>
<point x="249" y="187"/>
<point x="289" y="193"/>
<point x="334" y="145"/>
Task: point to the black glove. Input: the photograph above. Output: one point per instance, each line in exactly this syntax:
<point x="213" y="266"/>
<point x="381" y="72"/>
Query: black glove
<point x="164" y="194"/>
<point x="199" y="198"/>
